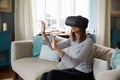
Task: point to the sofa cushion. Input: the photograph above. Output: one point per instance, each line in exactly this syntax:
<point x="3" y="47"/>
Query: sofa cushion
<point x="37" y="44"/>
<point x="32" y="68"/>
<point x="102" y="52"/>
<point x="47" y="53"/>
<point x="115" y="59"/>
<point x="100" y="65"/>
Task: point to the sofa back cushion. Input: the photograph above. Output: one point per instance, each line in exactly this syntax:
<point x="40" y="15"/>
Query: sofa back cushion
<point x="102" y="52"/>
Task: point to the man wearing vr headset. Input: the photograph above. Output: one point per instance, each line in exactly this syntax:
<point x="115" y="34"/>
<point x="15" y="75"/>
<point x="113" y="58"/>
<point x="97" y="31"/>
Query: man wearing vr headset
<point x="80" y="58"/>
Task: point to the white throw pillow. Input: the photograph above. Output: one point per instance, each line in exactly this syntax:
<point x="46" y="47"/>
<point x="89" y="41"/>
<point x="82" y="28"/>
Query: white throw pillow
<point x="100" y="65"/>
<point x="48" y="54"/>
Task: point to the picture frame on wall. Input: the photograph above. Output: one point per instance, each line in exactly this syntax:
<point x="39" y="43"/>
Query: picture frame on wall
<point x="5" y="5"/>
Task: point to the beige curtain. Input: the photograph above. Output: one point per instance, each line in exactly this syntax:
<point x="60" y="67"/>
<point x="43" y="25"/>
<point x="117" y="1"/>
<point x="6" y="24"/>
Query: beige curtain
<point x="103" y="27"/>
<point x="23" y="20"/>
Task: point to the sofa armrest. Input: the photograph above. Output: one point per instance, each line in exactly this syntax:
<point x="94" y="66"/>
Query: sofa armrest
<point x="109" y="75"/>
<point x="21" y="49"/>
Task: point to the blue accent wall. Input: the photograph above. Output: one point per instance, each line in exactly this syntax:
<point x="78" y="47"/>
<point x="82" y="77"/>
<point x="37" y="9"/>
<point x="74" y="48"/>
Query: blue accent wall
<point x="9" y="19"/>
<point x="93" y="15"/>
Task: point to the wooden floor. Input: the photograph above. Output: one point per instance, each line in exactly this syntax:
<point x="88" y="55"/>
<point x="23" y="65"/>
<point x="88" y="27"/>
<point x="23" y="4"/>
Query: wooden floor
<point x="6" y="72"/>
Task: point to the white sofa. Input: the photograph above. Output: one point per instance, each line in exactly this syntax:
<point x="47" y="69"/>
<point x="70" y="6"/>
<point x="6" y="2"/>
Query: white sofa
<point x="31" y="68"/>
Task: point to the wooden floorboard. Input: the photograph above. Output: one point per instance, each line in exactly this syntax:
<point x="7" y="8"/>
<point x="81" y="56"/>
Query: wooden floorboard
<point x="6" y="72"/>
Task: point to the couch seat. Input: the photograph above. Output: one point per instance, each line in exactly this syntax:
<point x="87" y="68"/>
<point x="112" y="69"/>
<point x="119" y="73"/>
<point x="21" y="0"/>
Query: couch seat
<point x="35" y="67"/>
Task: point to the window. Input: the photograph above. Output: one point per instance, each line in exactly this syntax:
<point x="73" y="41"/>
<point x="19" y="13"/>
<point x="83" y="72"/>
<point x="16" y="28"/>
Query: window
<point x="54" y="13"/>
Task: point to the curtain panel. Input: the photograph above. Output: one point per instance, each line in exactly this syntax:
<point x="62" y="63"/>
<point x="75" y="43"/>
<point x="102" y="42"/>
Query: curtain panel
<point x="23" y="20"/>
<point x="103" y="25"/>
